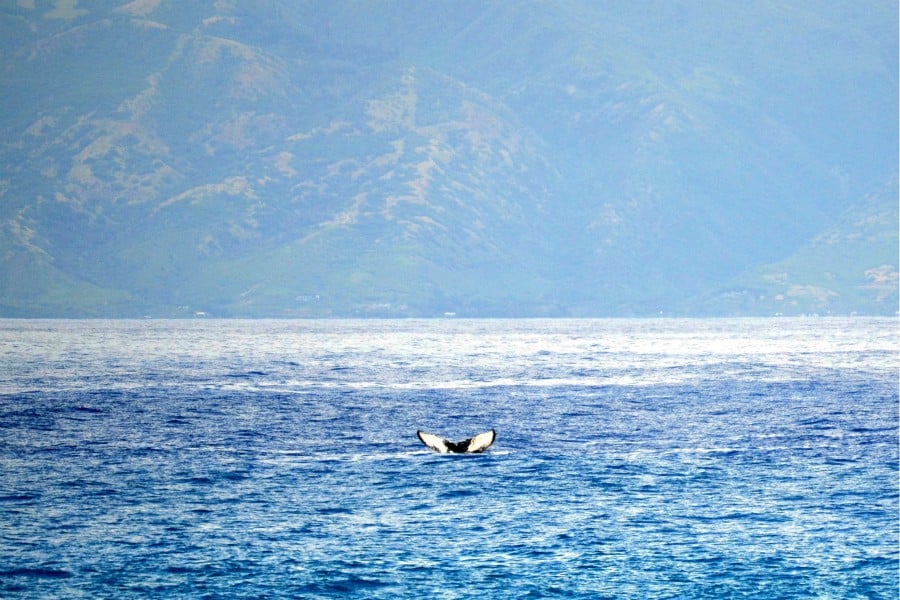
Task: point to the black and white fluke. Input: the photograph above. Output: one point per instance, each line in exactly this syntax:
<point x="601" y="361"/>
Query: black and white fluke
<point x="478" y="443"/>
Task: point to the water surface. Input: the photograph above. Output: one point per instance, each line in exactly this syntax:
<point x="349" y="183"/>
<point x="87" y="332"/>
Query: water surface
<point x="634" y="459"/>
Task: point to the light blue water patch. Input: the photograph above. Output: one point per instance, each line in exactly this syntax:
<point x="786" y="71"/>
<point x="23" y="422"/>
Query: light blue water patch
<point x="634" y="459"/>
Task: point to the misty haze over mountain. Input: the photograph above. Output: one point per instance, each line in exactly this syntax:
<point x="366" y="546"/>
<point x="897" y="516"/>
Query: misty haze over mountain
<point x="562" y="158"/>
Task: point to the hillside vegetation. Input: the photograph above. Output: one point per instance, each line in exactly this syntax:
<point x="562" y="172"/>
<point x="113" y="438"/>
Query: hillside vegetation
<point x="561" y="158"/>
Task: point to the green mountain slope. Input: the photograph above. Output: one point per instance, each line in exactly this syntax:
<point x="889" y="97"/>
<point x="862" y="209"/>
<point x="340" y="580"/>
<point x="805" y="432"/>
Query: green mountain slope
<point x="849" y="268"/>
<point x="277" y="158"/>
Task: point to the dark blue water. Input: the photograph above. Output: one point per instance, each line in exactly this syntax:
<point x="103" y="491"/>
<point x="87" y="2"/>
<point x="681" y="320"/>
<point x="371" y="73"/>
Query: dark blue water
<point x="279" y="459"/>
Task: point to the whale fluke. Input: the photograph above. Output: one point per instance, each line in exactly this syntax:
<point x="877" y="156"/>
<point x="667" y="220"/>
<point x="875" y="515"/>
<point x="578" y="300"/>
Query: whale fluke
<point x="478" y="443"/>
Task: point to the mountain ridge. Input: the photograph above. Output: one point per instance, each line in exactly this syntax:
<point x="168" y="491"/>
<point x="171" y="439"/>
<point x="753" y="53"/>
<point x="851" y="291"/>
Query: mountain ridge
<point x="345" y="159"/>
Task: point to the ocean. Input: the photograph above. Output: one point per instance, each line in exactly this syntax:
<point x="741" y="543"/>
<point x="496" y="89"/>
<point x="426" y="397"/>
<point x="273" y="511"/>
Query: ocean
<point x="715" y="458"/>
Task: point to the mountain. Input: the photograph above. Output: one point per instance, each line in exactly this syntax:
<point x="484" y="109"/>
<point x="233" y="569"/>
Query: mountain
<point x="844" y="270"/>
<point x="560" y="158"/>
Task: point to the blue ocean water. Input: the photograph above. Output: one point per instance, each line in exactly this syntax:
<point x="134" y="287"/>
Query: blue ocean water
<point x="278" y="459"/>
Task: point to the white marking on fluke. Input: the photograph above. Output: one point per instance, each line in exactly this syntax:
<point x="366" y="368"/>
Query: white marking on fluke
<point x="478" y="443"/>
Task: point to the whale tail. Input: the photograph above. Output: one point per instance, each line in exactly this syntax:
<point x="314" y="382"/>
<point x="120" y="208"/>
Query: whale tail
<point x="475" y="444"/>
